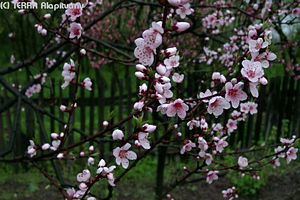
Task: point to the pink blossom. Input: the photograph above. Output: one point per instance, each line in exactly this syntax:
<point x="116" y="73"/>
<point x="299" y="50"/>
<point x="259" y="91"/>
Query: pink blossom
<point x="177" y="107"/>
<point x="75" y="30"/>
<point x="84" y="176"/>
<point x="203" y="146"/>
<point x="193" y="123"/>
<point x="207" y="157"/>
<point x="291" y="154"/>
<point x="275" y="162"/>
<point x="123" y="155"/>
<point x="280" y="151"/>
<point x="143" y="52"/>
<point x="184" y="10"/>
<point x="253" y="89"/>
<point x="187" y="147"/>
<point x="252" y="108"/>
<point x="287" y="142"/>
<point x="29" y="92"/>
<point x="231" y="125"/>
<point x="252" y="70"/>
<point x="206" y="94"/>
<point x="180" y="26"/>
<point x="178" y="78"/>
<point x="31" y="149"/>
<point x="87" y="84"/>
<point x="172" y="62"/>
<point x="117" y="135"/>
<point x="161" y="69"/>
<point x="148" y="128"/>
<point x="152" y="36"/>
<point x="139" y="105"/>
<point x="243" y="162"/>
<point x="256" y="45"/>
<point x="217" y="105"/>
<point x="212" y="176"/>
<point x="143" y="140"/>
<point x="74" y="10"/>
<point x="235" y="94"/>
<point x="46" y="146"/>
<point x="221" y="144"/>
<point x="55" y="145"/>
<point x="296" y="12"/>
<point x="91" y="161"/>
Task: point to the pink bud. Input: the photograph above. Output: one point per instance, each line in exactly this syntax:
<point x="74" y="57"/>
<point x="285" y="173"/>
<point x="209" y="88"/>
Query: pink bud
<point x="181" y="26"/>
<point x="46" y="146"/>
<point x="81" y="154"/>
<point x="263" y="81"/>
<point x="54" y="136"/>
<point x="60" y="156"/>
<point x="47" y="16"/>
<point x="141" y="68"/>
<point x="139" y="75"/>
<point x="82" y="52"/>
<point x="105" y="123"/>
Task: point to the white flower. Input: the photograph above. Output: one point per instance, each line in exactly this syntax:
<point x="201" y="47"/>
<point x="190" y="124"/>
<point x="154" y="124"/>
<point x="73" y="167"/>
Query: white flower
<point x="123" y="155"/>
<point x="84" y="176"/>
<point x="243" y="162"/>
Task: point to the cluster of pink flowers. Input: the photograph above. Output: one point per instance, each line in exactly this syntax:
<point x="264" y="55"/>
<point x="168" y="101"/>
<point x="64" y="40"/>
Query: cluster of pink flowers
<point x="230" y="193"/>
<point x="36" y="88"/>
<point x="286" y="151"/>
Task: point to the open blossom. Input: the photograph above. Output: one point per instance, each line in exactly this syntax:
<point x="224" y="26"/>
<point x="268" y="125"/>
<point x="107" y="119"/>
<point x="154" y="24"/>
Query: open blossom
<point x="87" y="84"/>
<point x="84" y="176"/>
<point x="177" y="107"/>
<point x="143" y="140"/>
<point x="291" y="154"/>
<point x="74" y="10"/>
<point x="123" y="155"/>
<point x="31" y="149"/>
<point x="211" y="176"/>
<point x="172" y="62"/>
<point x="55" y="145"/>
<point x="252" y="108"/>
<point x="275" y="162"/>
<point x="91" y="161"/>
<point x="193" y="123"/>
<point x="256" y="45"/>
<point x="287" y="142"/>
<point x="206" y="94"/>
<point x="117" y="135"/>
<point x="75" y="30"/>
<point x="139" y="105"/>
<point x="296" y="12"/>
<point x="106" y="172"/>
<point x="187" y="147"/>
<point x="235" y="94"/>
<point x="221" y="144"/>
<point x="217" y="105"/>
<point x="178" y="78"/>
<point x="152" y="36"/>
<point x="68" y="73"/>
<point x="243" y="162"/>
<point x="203" y="146"/>
<point x="252" y="70"/>
<point x="184" y="10"/>
<point x="143" y="52"/>
<point x="231" y="125"/>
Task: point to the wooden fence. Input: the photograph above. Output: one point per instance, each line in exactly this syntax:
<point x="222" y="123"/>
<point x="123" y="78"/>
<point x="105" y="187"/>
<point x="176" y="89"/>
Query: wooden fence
<point x="278" y="111"/>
